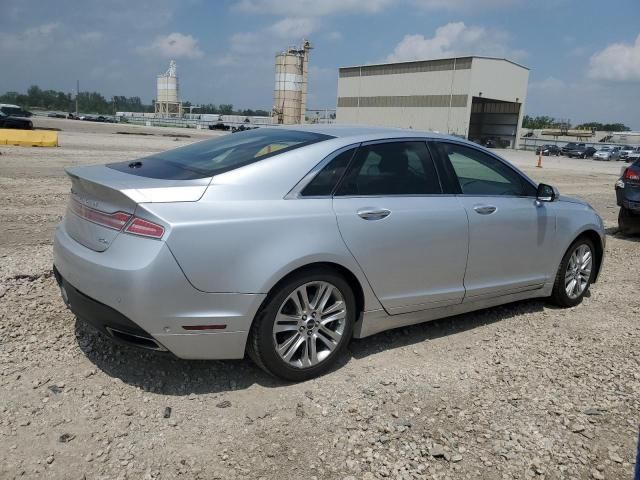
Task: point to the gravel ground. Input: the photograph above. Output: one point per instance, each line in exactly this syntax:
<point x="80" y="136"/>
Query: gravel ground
<point x="519" y="391"/>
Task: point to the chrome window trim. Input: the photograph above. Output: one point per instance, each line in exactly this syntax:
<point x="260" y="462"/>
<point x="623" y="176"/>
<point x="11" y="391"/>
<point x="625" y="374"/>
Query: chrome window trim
<point x="398" y="195"/>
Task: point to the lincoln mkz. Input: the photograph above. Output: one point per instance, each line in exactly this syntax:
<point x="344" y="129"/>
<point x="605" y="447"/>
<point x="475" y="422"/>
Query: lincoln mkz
<point x="286" y="242"/>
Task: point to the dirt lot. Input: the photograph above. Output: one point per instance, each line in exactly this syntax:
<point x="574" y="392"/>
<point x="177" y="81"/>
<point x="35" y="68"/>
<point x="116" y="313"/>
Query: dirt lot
<point x="520" y="391"/>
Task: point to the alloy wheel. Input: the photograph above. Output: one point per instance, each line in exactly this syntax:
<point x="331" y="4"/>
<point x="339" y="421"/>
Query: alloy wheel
<point x="310" y="324"/>
<point x="578" y="271"/>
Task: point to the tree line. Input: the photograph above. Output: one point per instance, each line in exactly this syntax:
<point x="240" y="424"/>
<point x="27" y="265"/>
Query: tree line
<point x="94" y="102"/>
<point x="544" y="121"/>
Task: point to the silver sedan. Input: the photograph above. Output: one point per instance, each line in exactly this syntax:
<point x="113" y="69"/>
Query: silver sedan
<point x="286" y="242"/>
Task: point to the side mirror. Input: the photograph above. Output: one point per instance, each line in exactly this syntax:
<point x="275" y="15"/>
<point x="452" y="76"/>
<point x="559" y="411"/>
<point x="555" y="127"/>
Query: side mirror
<point x="547" y="193"/>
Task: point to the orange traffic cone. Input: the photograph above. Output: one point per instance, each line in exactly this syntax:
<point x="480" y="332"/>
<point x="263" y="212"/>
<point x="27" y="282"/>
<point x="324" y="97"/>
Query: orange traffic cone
<point x="539" y="165"/>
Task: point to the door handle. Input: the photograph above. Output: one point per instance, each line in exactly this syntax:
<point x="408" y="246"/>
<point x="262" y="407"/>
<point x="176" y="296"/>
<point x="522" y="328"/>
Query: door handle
<point x="373" y="213"/>
<point x="485" y="209"/>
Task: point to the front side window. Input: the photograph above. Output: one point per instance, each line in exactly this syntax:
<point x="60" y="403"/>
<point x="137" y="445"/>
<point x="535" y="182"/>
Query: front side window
<point x="394" y="168"/>
<point x="481" y="174"/>
<point x="219" y="155"/>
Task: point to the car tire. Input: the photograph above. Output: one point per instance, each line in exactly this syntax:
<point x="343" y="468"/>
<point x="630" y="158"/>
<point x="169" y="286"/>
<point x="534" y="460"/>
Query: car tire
<point x="280" y="311"/>
<point x="569" y="271"/>
<point x="583" y="156"/>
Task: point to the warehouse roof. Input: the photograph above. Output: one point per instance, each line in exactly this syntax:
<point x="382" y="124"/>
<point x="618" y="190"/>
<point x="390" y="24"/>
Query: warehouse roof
<point x="439" y="61"/>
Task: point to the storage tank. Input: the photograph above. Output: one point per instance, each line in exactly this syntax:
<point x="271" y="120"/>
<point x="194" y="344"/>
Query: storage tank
<point x="167" y="94"/>
<point x="290" y="93"/>
<point x="168" y="85"/>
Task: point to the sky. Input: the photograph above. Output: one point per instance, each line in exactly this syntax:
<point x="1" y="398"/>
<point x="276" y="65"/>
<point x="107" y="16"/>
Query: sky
<point x="584" y="55"/>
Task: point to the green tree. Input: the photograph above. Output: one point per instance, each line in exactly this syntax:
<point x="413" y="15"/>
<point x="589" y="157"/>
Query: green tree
<point x="226" y="109"/>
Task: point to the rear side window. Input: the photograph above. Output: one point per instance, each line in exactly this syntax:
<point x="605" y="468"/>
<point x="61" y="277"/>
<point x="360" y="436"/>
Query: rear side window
<point x="219" y="155"/>
<point x="481" y="174"/>
<point x="394" y="168"/>
<point x="326" y="180"/>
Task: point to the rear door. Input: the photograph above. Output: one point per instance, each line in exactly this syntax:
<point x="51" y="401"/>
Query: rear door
<point x="409" y="238"/>
<point x="510" y="233"/>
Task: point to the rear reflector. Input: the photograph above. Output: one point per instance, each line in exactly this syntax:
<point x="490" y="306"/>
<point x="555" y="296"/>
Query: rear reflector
<point x="145" y="228"/>
<point x="114" y="221"/>
<point x="204" y="327"/>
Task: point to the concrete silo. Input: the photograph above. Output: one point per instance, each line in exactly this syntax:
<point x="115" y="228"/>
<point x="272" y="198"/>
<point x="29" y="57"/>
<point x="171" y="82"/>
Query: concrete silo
<point x="167" y="98"/>
<point x="290" y="94"/>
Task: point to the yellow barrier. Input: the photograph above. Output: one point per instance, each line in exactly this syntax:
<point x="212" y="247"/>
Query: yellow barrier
<point x="28" y="138"/>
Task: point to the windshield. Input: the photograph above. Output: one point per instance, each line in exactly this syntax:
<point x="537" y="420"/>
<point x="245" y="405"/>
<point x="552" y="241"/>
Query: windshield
<point x="219" y="155"/>
<point x="605" y="149"/>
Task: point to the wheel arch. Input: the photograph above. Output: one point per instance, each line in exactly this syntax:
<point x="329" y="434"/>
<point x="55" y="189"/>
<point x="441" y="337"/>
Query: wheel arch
<point x="350" y="277"/>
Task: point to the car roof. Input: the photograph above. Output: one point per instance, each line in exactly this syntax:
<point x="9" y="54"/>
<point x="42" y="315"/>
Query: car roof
<point x="364" y="131"/>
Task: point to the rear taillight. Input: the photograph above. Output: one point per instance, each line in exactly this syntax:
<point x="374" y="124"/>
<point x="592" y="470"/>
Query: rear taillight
<point x="118" y="221"/>
<point x="631" y="174"/>
<point x="144" y="228"/>
<point x="114" y="221"/>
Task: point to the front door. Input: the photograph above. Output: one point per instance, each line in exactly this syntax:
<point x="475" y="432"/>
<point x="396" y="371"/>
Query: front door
<point x="408" y="237"/>
<point x="510" y="234"/>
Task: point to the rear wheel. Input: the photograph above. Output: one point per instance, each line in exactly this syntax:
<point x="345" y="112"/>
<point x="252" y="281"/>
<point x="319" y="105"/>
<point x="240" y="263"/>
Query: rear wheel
<point x="304" y="326"/>
<point x="575" y="274"/>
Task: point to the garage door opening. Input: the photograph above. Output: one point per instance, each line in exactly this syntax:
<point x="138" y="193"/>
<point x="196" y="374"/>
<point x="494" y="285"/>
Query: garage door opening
<point x="494" y="120"/>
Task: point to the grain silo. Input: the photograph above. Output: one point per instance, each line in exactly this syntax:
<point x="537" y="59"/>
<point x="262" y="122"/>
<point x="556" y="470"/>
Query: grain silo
<point x="167" y="98"/>
<point x="290" y="94"/>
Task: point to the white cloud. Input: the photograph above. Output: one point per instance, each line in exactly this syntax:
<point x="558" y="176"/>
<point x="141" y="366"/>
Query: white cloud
<point x="462" y="4"/>
<point x="174" y="45"/>
<point x="454" y="39"/>
<point x="293" y="27"/>
<point x="313" y="8"/>
<point x="617" y="62"/>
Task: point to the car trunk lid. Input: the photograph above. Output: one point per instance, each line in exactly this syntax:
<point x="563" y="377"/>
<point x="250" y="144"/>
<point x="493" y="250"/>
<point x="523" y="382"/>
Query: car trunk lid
<point x="103" y="200"/>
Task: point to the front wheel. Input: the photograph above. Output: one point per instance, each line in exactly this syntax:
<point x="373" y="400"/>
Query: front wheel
<point x="304" y="326"/>
<point x="575" y="274"/>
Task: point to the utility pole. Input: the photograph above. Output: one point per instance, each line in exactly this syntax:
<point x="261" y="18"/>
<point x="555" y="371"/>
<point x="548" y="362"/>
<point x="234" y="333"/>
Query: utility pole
<point x="77" y="93"/>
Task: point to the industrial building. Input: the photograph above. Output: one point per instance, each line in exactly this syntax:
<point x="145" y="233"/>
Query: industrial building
<point x="290" y="93"/>
<point x="479" y="98"/>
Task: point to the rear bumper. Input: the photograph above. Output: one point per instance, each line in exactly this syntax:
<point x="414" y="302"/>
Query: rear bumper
<point x="623" y="200"/>
<point x="136" y="287"/>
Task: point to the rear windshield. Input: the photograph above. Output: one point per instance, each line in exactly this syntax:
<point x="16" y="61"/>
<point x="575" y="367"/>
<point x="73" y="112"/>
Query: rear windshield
<point x="218" y="155"/>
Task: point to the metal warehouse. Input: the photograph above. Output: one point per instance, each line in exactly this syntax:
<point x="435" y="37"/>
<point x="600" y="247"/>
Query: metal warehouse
<point x="478" y="98"/>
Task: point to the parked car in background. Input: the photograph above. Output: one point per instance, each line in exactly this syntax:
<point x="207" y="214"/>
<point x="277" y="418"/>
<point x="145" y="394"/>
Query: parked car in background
<point x="581" y="152"/>
<point x="495" y="143"/>
<point x="625" y="150"/>
<point x="17" y="123"/>
<point x="548" y="150"/>
<point x="56" y="115"/>
<point x="286" y="242"/>
<point x="634" y="155"/>
<point x="628" y="199"/>
<point x="13" y="110"/>
<point x="571" y="146"/>
<point x="606" y="153"/>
